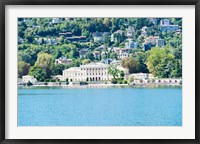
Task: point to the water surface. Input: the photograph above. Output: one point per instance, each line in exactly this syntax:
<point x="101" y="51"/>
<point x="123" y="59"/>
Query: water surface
<point x="114" y="106"/>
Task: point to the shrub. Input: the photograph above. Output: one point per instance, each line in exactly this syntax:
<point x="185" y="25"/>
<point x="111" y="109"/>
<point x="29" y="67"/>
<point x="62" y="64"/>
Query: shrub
<point x="52" y="80"/>
<point x="29" y="83"/>
<point x="45" y="83"/>
<point x="125" y="82"/>
<point x="113" y="81"/>
<point x="131" y="79"/>
<point x="42" y="79"/>
<point x="120" y="81"/>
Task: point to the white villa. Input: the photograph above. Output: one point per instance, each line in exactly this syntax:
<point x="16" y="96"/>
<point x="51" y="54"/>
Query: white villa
<point x="28" y="78"/>
<point x="142" y="76"/>
<point x="63" y="60"/>
<point x="88" y="72"/>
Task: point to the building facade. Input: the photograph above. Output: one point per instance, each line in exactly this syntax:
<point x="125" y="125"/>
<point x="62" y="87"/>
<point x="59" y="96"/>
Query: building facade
<point x="63" y="60"/>
<point x="165" y="25"/>
<point x="131" y="44"/>
<point x="88" y="72"/>
<point x="142" y="76"/>
<point x="28" y="78"/>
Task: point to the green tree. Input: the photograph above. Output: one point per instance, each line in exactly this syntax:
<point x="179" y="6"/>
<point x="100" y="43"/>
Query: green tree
<point x="57" y="69"/>
<point x="122" y="74"/>
<point x="23" y="68"/>
<point x="22" y="56"/>
<point x="29" y="83"/>
<point x="90" y="56"/>
<point x="141" y="58"/>
<point x="113" y="55"/>
<point x="39" y="73"/>
<point x="160" y="62"/>
<point x="131" y="79"/>
<point x="112" y="69"/>
<point x="131" y="64"/>
<point x="45" y="62"/>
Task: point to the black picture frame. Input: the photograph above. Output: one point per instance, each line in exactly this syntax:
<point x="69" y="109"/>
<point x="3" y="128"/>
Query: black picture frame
<point x="3" y="4"/>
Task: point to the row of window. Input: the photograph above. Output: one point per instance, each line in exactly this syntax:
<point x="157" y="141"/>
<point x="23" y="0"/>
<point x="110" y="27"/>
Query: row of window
<point x="89" y="79"/>
<point x="81" y="74"/>
<point x="93" y="69"/>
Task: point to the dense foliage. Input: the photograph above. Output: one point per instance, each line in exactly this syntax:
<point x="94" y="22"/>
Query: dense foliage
<point x="36" y="55"/>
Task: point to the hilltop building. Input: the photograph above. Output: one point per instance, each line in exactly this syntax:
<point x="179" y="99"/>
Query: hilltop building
<point x="113" y="36"/>
<point x="165" y="25"/>
<point x="97" y="54"/>
<point x="131" y="44"/>
<point x="63" y="60"/>
<point x="83" y="53"/>
<point x="100" y="36"/>
<point x="160" y="42"/>
<point x="144" y="31"/>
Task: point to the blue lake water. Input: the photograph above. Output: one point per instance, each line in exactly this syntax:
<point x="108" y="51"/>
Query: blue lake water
<point x="114" y="106"/>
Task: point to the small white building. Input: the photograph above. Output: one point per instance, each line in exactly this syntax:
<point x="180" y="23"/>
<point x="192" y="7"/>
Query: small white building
<point x="123" y="55"/>
<point x="96" y="54"/>
<point x="164" y="22"/>
<point x="142" y="76"/>
<point x="63" y="60"/>
<point x="152" y="39"/>
<point x="28" y="78"/>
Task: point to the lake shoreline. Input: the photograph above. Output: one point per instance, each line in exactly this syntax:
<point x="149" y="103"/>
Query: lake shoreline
<point x="106" y="85"/>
